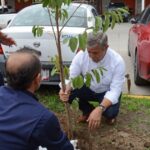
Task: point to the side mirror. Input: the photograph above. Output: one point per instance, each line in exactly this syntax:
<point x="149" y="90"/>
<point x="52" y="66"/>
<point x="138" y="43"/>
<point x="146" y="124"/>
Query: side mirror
<point x="133" y="21"/>
<point x="8" y="22"/>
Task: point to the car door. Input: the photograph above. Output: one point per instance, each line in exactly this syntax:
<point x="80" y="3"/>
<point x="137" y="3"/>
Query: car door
<point x="136" y="32"/>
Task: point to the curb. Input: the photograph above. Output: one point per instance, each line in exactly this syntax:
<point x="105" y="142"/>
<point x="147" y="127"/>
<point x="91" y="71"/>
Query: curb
<point x="137" y="96"/>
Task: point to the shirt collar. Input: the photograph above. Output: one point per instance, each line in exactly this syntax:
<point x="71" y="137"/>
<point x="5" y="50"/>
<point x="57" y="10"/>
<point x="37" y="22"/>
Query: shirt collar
<point x="30" y="94"/>
<point x="26" y="92"/>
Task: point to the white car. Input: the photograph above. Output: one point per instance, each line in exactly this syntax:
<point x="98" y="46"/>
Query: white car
<point x="20" y="29"/>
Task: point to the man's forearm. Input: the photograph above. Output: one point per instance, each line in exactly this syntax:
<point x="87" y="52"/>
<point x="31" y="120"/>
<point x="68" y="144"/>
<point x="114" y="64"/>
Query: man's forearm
<point x="106" y="103"/>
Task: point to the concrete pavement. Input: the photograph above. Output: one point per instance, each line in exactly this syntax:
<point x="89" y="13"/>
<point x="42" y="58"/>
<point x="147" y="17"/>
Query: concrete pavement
<point x="118" y="40"/>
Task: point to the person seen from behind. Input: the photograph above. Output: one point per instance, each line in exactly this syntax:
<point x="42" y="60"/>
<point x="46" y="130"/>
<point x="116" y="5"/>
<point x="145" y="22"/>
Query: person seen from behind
<point x="25" y="124"/>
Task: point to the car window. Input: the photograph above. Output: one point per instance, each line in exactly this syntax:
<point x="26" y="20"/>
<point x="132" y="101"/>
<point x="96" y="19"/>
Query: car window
<point x="148" y="19"/>
<point x="32" y="16"/>
<point x="145" y="15"/>
<point x="78" y="19"/>
<point x="37" y="15"/>
<point x="94" y="12"/>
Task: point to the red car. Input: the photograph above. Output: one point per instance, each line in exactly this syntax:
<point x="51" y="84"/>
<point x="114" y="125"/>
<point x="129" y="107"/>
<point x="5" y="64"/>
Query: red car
<point x="139" y="47"/>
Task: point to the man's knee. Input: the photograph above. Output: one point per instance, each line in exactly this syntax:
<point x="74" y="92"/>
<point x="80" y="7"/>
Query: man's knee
<point x="112" y="111"/>
<point x="83" y="93"/>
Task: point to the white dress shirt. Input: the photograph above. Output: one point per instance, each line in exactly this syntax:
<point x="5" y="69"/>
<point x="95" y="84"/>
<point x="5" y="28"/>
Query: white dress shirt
<point x="113" y="78"/>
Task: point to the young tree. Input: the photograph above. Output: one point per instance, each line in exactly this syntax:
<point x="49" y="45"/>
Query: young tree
<point x="55" y="8"/>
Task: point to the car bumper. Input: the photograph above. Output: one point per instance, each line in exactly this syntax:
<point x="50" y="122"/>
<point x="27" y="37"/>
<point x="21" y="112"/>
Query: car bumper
<point x="47" y="78"/>
<point x="145" y="66"/>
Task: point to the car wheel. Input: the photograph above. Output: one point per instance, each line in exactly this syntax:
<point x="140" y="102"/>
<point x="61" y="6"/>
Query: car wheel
<point x="137" y="79"/>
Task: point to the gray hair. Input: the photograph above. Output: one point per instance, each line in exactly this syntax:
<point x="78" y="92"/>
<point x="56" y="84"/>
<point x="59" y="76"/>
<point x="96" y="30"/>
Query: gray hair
<point x="98" y="38"/>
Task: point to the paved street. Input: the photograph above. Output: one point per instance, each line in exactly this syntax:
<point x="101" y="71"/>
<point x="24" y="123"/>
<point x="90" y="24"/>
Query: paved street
<point x="118" y="40"/>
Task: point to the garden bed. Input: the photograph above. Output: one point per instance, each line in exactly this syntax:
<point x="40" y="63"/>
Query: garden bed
<point x="131" y="131"/>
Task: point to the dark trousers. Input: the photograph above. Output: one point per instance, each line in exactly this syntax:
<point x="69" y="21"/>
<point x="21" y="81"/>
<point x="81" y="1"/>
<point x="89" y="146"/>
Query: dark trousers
<point x="85" y="95"/>
<point x="1" y="79"/>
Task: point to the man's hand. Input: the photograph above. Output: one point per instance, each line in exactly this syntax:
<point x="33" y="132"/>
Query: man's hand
<point x="94" y="119"/>
<point x="64" y="95"/>
<point x="4" y="39"/>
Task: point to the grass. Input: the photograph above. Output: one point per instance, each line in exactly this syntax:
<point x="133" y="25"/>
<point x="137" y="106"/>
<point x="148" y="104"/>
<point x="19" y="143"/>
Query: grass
<point x="136" y="104"/>
<point x="49" y="97"/>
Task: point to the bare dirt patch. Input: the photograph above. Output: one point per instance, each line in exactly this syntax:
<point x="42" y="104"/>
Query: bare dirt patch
<point x="131" y="132"/>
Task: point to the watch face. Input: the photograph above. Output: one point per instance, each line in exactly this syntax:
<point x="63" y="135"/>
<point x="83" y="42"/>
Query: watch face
<point x="102" y="107"/>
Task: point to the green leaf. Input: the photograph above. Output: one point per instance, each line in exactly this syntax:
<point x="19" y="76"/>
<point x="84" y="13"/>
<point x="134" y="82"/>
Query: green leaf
<point x="65" y="13"/>
<point x="120" y="16"/>
<point x="116" y="16"/>
<point x="34" y="31"/>
<point x="97" y="75"/>
<point x="65" y="40"/>
<point x="66" y="72"/>
<point x="98" y="23"/>
<point x="113" y="20"/>
<point x="53" y="71"/>
<point x="57" y="63"/>
<point x="103" y="68"/>
<point x="82" y="40"/>
<point x="73" y="43"/>
<point x="45" y="2"/>
<point x="37" y="31"/>
<point x="78" y="82"/>
<point x="88" y="78"/>
<point x="69" y="1"/>
<point x="65" y="1"/>
<point x="106" y="22"/>
<point x="123" y="10"/>
<point x="58" y="3"/>
<point x="101" y="71"/>
<point x="74" y="82"/>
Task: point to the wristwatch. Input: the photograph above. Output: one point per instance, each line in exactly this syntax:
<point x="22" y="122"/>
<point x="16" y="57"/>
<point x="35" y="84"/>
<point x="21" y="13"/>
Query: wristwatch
<point x="102" y="107"/>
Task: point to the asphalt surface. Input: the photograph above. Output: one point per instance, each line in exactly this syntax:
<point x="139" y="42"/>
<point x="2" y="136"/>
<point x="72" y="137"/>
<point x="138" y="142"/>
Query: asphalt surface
<point x="118" y="40"/>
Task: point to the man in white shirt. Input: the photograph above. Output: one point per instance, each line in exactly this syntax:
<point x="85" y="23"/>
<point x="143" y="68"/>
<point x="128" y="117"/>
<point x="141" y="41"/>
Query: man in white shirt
<point x="108" y="91"/>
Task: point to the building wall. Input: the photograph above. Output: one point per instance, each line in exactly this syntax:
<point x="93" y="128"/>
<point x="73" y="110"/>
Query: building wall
<point x="105" y="5"/>
<point x="138" y="6"/>
<point x="131" y="6"/>
<point x="11" y="4"/>
<point x="147" y="2"/>
<point x="20" y="5"/>
<point x="134" y="5"/>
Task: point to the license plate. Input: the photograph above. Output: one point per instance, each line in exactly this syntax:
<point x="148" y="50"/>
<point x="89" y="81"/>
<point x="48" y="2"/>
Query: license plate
<point x="45" y="75"/>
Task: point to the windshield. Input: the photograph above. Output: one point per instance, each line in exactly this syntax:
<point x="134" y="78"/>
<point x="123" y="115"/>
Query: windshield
<point x="37" y="15"/>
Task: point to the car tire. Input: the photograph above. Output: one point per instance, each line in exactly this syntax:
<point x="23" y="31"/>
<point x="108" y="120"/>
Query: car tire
<point x="137" y="79"/>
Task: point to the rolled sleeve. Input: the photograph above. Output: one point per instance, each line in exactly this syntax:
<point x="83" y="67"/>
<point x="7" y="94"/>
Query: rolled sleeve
<point x="116" y="85"/>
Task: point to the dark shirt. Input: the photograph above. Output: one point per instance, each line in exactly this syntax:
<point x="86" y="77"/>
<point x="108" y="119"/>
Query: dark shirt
<point x="25" y="124"/>
<point x="1" y="79"/>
